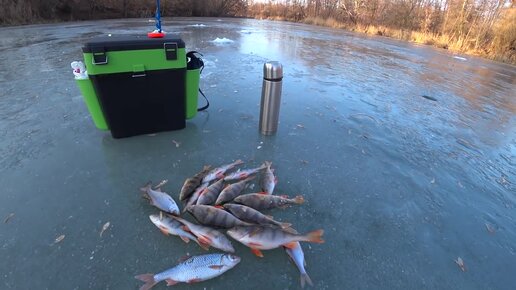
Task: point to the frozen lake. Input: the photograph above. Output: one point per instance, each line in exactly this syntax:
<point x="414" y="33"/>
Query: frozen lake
<point x="403" y="185"/>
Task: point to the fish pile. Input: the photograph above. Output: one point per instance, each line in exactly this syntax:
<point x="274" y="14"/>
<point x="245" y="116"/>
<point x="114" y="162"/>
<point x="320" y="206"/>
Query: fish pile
<point x="217" y="200"/>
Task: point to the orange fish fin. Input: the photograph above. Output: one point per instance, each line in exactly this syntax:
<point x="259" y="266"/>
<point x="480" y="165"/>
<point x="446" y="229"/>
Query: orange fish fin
<point x="263" y="192"/>
<point x="148" y="279"/>
<point x="290" y="245"/>
<point x="204" y="246"/>
<point x="216" y="267"/>
<point x="194" y="280"/>
<point x="315" y="237"/>
<point x="254" y="244"/>
<point x="204" y="239"/>
<point x="164" y="230"/>
<point x="185" y="239"/>
<point x="171" y="282"/>
<point x="219" y="206"/>
<point x="257" y="252"/>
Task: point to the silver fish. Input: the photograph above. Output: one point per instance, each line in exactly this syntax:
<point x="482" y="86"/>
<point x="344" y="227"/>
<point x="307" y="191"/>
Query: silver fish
<point x="265" y="238"/>
<point x="195" y="196"/>
<point x="192" y="183"/>
<point x="219" y="171"/>
<point x="268" y="180"/>
<point x="208" y="236"/>
<point x="160" y="199"/>
<point x="210" y="194"/>
<point x="232" y="190"/>
<point x="169" y="226"/>
<point x="195" y="269"/>
<point x="248" y="214"/>
<point x="242" y="174"/>
<point x="212" y="216"/>
<point x="260" y="201"/>
<point x="298" y="257"/>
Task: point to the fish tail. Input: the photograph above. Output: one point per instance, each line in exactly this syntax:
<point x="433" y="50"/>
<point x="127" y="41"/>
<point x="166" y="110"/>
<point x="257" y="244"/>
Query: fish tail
<point x="299" y="199"/>
<point x="148" y="279"/>
<point x="305" y="279"/>
<point x="267" y="164"/>
<point x="238" y="162"/>
<point x="146" y="187"/>
<point x="314" y="237"/>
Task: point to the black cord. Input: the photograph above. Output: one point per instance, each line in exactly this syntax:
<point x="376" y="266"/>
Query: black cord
<point x="197" y="63"/>
<point x="207" y="102"/>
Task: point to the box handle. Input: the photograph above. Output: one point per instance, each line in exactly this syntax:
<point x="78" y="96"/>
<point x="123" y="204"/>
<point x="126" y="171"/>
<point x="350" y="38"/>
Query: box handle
<point x="138" y="70"/>
<point x="170" y="50"/>
<point x="99" y="56"/>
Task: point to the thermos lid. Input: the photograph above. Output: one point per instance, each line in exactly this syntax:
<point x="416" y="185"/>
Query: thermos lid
<point x="272" y="70"/>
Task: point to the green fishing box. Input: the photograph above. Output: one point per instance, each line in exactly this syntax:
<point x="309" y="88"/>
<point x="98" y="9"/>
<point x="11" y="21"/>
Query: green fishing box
<point x="138" y="85"/>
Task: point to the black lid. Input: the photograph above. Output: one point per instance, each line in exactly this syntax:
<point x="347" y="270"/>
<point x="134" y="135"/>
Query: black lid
<point x="129" y="42"/>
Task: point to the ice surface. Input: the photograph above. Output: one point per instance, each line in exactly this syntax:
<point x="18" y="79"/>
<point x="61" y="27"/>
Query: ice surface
<point x="401" y="184"/>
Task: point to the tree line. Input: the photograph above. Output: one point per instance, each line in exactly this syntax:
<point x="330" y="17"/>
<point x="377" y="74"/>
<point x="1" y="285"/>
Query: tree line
<point x="15" y="12"/>
<point x="482" y="27"/>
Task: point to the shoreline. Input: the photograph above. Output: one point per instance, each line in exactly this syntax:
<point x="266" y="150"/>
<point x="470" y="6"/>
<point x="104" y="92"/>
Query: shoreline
<point x="416" y="37"/>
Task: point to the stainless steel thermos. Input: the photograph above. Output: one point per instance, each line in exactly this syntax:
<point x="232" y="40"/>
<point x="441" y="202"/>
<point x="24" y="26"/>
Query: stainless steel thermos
<point x="271" y="97"/>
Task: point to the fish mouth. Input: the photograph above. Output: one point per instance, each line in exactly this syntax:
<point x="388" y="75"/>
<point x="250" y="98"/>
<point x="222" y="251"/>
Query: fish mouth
<point x="233" y="259"/>
<point x="154" y="218"/>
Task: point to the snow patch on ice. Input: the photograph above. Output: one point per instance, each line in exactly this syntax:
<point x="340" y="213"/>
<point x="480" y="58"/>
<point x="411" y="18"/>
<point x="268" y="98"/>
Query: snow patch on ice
<point x="222" y="40"/>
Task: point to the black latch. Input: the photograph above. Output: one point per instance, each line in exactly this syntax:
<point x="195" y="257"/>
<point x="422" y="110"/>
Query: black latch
<point x="170" y="50"/>
<point x="99" y="56"/>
